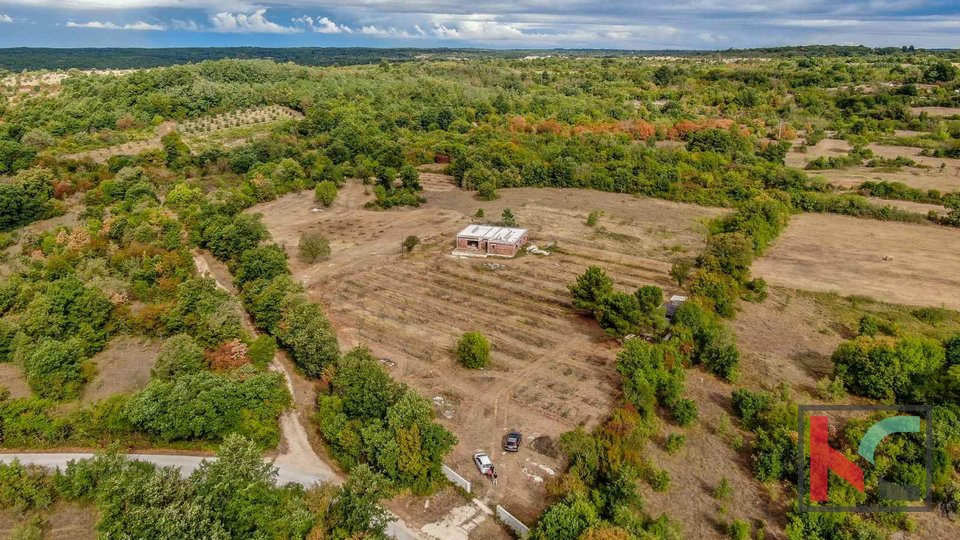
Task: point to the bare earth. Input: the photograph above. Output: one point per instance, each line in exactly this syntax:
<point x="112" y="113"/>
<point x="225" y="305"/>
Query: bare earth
<point x="936" y="111"/>
<point x="13" y="379"/>
<point x="896" y="262"/>
<point x="124" y="366"/>
<point x="551" y="367"/>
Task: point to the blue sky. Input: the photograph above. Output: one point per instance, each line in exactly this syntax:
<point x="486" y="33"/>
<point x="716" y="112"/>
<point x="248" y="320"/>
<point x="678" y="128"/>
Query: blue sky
<point x="638" y="24"/>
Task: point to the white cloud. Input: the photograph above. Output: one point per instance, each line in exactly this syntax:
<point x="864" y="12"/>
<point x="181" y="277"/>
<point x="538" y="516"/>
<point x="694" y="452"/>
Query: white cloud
<point x="5" y="18"/>
<point x="323" y="25"/>
<point x="254" y="23"/>
<point x="178" y="24"/>
<point x="107" y="25"/>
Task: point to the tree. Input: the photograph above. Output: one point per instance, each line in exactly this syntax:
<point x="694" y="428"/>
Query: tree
<point x="180" y="355"/>
<point x="680" y="271"/>
<point x="473" y="350"/>
<point x="889" y="368"/>
<point x="590" y="288"/>
<point x="566" y="520"/>
<point x="619" y="314"/>
<point x="313" y="247"/>
<point x="305" y="330"/>
<point x="261" y="262"/>
<point x="325" y="192"/>
<point x="367" y="391"/>
<point x="507" y="218"/>
<point x="355" y="511"/>
<point x="940" y="72"/>
<point x="177" y="153"/>
<point x="53" y="369"/>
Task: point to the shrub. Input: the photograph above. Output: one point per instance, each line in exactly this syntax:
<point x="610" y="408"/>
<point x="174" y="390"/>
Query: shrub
<point x="325" y="192"/>
<point x="410" y="242"/>
<point x="659" y="479"/>
<point x="723" y="490"/>
<point x="684" y="412"/>
<point x="305" y="331"/>
<point x="262" y="350"/>
<point x="888" y="368"/>
<point x="313" y="247"/>
<point x="740" y="530"/>
<point x="507" y="219"/>
<point x="207" y="406"/>
<point x="53" y="369"/>
<point x="473" y="350"/>
<point x="180" y="355"/>
<point x="487" y="191"/>
<point x="594" y="217"/>
<point x="675" y="442"/>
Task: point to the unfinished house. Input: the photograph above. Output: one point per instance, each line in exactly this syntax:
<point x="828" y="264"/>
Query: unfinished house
<point x="485" y="240"/>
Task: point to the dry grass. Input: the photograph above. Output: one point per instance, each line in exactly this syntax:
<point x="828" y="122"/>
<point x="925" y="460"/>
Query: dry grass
<point x="904" y="263"/>
<point x="124" y="366"/>
<point x="552" y="368"/>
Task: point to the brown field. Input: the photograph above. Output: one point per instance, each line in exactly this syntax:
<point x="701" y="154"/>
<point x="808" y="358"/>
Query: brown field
<point x="62" y="521"/>
<point x="551" y="367"/>
<point x="13" y="379"/>
<point x="898" y="262"/>
<point x="124" y="366"/>
<point x="932" y="173"/>
<point x="936" y="111"/>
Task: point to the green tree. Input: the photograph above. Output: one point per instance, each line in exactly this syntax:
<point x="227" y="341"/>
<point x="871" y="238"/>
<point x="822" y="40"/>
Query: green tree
<point x="180" y="355"/>
<point x="356" y="510"/>
<point x="261" y="262"/>
<point x="590" y="289"/>
<point x="473" y="350"/>
<point x="507" y="219"/>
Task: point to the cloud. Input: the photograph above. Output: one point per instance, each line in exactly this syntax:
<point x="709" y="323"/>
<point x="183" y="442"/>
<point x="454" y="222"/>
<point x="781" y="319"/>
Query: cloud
<point x="178" y="24"/>
<point x="5" y="18"/>
<point x="254" y="23"/>
<point x="98" y="25"/>
<point x="323" y="25"/>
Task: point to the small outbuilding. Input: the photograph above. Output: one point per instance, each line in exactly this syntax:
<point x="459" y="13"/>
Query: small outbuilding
<point x="485" y="240"/>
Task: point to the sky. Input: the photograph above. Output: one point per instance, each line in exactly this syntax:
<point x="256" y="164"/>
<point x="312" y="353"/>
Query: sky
<point x="618" y="24"/>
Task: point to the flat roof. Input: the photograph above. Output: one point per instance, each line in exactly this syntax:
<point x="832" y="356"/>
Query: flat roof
<point x="492" y="233"/>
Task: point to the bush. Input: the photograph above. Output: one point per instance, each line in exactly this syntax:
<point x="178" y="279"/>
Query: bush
<point x="261" y="262"/>
<point x="53" y="369"/>
<point x="180" y="355"/>
<point x="262" y="350"/>
<point x="473" y="350"/>
<point x="675" y="442"/>
<point x="410" y="242"/>
<point x="594" y="217"/>
<point x="659" y="479"/>
<point x="740" y="530"/>
<point x="889" y="368"/>
<point x="723" y="490"/>
<point x="208" y="407"/>
<point x="325" y="192"/>
<point x="507" y="219"/>
<point x="487" y="191"/>
<point x="684" y="412"/>
<point x="313" y="247"/>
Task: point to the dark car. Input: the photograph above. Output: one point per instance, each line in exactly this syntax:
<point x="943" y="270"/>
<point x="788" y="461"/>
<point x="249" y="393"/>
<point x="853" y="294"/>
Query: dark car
<point x="512" y="442"/>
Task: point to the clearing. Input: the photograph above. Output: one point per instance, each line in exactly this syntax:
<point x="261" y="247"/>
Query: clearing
<point x="902" y="263"/>
<point x="930" y="173"/>
<point x="936" y="111"/>
<point x="124" y="366"/>
<point x="552" y="368"/>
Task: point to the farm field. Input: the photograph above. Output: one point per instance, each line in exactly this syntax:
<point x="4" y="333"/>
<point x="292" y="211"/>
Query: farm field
<point x="872" y="258"/>
<point x="552" y="368"/>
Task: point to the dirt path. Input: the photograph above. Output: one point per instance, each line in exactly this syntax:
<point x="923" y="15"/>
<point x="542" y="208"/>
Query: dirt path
<point x="295" y="450"/>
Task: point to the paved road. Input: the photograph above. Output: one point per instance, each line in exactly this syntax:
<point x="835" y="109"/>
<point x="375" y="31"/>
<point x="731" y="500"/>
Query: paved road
<point x="187" y="464"/>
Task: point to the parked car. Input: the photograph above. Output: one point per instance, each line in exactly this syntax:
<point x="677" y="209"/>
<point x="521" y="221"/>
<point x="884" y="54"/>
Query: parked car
<point x="512" y="442"/>
<point x="483" y="463"/>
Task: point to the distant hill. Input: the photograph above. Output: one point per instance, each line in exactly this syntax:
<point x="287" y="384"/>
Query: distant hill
<point x="18" y="59"/>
